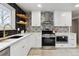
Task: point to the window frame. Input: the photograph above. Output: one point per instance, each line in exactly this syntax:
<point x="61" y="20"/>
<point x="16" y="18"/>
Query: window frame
<point x="12" y="17"/>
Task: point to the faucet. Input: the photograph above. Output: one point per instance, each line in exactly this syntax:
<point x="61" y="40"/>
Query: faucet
<point x="4" y="32"/>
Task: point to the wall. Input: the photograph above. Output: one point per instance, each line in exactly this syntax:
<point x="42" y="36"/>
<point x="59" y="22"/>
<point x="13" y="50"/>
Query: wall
<point x="47" y="20"/>
<point x="46" y="16"/>
<point x="75" y="28"/>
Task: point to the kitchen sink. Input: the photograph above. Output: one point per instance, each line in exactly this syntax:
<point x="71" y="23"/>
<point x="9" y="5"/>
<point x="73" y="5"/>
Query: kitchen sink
<point x="10" y="38"/>
<point x="14" y="37"/>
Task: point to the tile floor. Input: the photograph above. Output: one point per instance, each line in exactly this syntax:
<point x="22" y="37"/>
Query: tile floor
<point x="54" y="52"/>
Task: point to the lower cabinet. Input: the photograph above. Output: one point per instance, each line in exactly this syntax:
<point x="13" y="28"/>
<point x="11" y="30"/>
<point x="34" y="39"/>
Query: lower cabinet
<point x="17" y="49"/>
<point x="70" y="44"/>
<point x="36" y="40"/>
<point x="23" y="46"/>
<point x="61" y="45"/>
<point x="20" y="48"/>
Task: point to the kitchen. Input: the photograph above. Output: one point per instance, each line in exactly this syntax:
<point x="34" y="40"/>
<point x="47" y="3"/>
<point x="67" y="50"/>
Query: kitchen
<point x="30" y="28"/>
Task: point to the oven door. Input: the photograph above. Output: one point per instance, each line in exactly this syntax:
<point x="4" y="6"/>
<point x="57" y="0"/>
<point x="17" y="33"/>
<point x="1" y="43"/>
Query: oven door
<point x="62" y="39"/>
<point x="48" y="41"/>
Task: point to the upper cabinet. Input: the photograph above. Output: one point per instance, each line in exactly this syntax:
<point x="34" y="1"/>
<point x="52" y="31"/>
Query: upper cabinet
<point x="7" y="16"/>
<point x="36" y="18"/>
<point x="62" y="18"/>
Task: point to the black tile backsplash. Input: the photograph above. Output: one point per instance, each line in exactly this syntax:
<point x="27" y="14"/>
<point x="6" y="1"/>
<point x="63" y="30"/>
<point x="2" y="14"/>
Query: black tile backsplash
<point x="1" y="33"/>
<point x="9" y="32"/>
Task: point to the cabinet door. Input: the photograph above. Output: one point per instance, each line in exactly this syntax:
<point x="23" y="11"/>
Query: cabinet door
<point x="38" y="40"/>
<point x="22" y="47"/>
<point x="36" y="18"/>
<point x="57" y="19"/>
<point x="62" y="18"/>
<point x="61" y="45"/>
<point x="32" y="40"/>
<point x="72" y="40"/>
<point x="25" y="46"/>
<point x="17" y="49"/>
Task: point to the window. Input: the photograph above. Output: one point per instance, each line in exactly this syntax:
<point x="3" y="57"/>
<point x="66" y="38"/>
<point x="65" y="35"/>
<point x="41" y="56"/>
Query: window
<point x="5" y="15"/>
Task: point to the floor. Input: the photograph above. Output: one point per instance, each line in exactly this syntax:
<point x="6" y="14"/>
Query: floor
<point x="54" y="52"/>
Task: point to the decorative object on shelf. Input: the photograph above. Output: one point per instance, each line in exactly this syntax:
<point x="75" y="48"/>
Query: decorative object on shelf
<point x="18" y="29"/>
<point x="22" y="32"/>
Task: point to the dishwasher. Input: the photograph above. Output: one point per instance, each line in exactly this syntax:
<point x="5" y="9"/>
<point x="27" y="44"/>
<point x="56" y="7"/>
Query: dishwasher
<point x="5" y="52"/>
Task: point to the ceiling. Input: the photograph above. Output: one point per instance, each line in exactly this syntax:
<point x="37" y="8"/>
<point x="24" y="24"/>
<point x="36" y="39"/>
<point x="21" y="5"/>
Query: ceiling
<point x="50" y="7"/>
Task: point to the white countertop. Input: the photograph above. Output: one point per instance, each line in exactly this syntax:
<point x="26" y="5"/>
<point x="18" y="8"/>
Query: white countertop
<point x="8" y="42"/>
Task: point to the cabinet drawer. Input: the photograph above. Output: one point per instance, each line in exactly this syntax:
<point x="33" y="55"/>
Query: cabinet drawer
<point x="72" y="41"/>
<point x="61" y="45"/>
<point x="72" y="45"/>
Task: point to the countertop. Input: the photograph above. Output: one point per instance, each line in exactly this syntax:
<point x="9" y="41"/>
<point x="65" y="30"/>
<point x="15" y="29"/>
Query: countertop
<point x="8" y="42"/>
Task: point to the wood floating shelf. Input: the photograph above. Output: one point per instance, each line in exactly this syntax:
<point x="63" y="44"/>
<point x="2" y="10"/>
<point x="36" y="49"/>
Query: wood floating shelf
<point x="22" y="23"/>
<point x="22" y="16"/>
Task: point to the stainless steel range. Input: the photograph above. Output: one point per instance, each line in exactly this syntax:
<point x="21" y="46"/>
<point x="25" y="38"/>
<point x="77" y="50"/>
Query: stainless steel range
<point x="48" y="39"/>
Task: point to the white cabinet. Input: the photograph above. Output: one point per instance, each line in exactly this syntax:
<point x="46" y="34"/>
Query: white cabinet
<point x="32" y="38"/>
<point x="62" y="18"/>
<point x="36" y="18"/>
<point x="27" y="44"/>
<point x="62" y="45"/>
<point x="36" y="40"/>
<point x="72" y="42"/>
<point x="20" y="48"/>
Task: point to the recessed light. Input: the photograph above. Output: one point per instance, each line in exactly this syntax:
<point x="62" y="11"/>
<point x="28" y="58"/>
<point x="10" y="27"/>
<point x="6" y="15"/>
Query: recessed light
<point x="39" y="5"/>
<point x="77" y="5"/>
